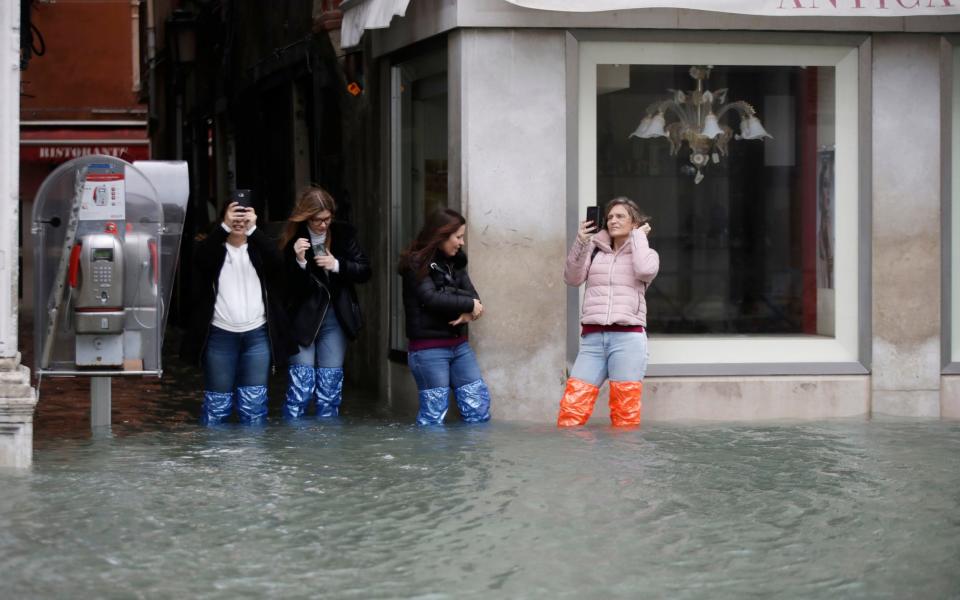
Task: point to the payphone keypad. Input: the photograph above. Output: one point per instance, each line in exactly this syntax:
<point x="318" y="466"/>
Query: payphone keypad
<point x="102" y="274"/>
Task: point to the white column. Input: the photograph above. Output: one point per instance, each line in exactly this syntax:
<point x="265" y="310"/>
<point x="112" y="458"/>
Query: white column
<point x="513" y="165"/>
<point x="17" y="399"/>
<point x="906" y="225"/>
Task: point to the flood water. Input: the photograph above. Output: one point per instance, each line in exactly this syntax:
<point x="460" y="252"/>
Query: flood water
<point x="369" y="506"/>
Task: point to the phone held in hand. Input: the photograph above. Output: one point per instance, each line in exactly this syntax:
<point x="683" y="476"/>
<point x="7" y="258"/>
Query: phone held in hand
<point x="593" y="214"/>
<point x="319" y="250"/>
<point x="243" y="198"/>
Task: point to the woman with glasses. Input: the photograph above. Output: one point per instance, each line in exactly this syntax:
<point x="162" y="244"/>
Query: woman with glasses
<point x="617" y="265"/>
<point x="439" y="300"/>
<point x="323" y="262"/>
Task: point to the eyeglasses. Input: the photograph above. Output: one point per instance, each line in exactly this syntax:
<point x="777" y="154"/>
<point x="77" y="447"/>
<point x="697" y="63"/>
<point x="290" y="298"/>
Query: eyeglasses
<point x="321" y="220"/>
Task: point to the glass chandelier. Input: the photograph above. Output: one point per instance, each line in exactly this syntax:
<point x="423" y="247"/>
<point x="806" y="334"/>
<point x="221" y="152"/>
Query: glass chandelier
<point x="699" y="112"/>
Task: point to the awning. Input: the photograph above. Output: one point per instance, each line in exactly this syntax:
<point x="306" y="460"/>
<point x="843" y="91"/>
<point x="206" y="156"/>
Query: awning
<point x="782" y="8"/>
<point x="40" y="144"/>
<point x="360" y="15"/>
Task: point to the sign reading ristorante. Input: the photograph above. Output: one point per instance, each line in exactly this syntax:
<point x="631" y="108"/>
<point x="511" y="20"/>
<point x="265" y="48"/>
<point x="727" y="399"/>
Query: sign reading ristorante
<point x="785" y="8"/>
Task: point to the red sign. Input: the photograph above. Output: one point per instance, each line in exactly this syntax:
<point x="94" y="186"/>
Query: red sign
<point x="60" y="153"/>
<point x="55" y="146"/>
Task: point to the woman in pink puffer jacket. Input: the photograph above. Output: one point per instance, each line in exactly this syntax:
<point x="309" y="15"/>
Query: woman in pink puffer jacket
<point x="617" y="265"/>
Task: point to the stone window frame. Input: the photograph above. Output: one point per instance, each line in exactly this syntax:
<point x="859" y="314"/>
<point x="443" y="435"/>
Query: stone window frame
<point x="950" y="204"/>
<point x="397" y="239"/>
<point x="789" y="355"/>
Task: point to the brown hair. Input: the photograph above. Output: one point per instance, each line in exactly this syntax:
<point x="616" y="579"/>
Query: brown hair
<point x="637" y="215"/>
<point x="311" y="201"/>
<point x="440" y="225"/>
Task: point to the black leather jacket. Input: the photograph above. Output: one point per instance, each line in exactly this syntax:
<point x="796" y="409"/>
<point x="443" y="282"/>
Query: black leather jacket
<point x="306" y="304"/>
<point x="443" y="295"/>
<point x="209" y="256"/>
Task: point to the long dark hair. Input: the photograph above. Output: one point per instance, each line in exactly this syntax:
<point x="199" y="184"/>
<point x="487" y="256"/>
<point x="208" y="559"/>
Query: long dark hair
<point x="311" y="201"/>
<point x="440" y="225"/>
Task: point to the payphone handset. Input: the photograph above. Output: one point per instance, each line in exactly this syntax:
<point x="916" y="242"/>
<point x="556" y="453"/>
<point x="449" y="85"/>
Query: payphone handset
<point x="96" y="272"/>
<point x="142" y="270"/>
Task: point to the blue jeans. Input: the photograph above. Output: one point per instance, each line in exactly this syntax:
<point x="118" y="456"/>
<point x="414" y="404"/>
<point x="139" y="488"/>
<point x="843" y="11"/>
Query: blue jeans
<point x="444" y="367"/>
<point x="329" y="347"/>
<point x="235" y="371"/>
<point x="232" y="360"/>
<point x="617" y="355"/>
<point x="436" y="370"/>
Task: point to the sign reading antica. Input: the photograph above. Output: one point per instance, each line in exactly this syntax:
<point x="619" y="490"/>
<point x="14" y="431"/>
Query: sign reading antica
<point x="786" y="8"/>
<point x="866" y="5"/>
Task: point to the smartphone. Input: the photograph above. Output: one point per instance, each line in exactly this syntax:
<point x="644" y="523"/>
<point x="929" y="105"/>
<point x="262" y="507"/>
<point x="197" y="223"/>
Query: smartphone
<point x="242" y="197"/>
<point x="593" y="214"/>
<point x="319" y="250"/>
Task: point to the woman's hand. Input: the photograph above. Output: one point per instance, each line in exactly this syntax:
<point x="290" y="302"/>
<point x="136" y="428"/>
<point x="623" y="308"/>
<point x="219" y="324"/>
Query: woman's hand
<point x="250" y="218"/>
<point x="234" y="216"/>
<point x="463" y="318"/>
<point x="470" y="316"/>
<point x="477" y="310"/>
<point x="325" y="261"/>
<point x="586" y="231"/>
<point x="300" y="249"/>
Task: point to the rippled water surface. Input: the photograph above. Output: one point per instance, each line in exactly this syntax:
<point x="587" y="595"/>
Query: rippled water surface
<point x="367" y="508"/>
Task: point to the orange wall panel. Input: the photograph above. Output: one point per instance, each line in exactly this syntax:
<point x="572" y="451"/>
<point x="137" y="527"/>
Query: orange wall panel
<point x="88" y="62"/>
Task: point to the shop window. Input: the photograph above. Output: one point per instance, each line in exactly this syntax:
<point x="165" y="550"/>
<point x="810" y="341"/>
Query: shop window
<point x="757" y="224"/>
<point x="418" y="160"/>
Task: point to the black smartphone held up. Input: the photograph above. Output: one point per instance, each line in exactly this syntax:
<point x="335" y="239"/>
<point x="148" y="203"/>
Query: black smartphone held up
<point x="242" y="197"/>
<point x="593" y="214"/>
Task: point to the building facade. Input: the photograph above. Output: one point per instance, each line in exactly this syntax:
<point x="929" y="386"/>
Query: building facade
<point x="77" y="103"/>
<point x="259" y="96"/>
<point x="805" y="274"/>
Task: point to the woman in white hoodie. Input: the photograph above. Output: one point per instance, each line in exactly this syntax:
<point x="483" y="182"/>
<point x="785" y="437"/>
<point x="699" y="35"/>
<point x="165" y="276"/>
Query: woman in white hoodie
<point x="617" y="265"/>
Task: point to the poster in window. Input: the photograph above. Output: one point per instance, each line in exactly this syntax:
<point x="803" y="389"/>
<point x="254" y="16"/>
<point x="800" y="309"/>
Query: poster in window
<point x="825" y="218"/>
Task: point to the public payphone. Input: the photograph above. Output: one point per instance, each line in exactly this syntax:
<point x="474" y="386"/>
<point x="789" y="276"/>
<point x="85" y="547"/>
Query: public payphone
<point x="107" y="236"/>
<point x="96" y="284"/>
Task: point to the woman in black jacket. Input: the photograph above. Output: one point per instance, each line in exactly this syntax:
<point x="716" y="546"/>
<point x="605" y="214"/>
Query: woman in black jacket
<point x="439" y="300"/>
<point x="323" y="260"/>
<point x="236" y="317"/>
